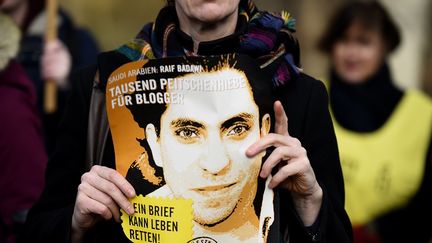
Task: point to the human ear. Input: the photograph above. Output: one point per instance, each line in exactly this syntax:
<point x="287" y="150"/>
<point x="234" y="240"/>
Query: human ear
<point x="152" y="140"/>
<point x="265" y="125"/>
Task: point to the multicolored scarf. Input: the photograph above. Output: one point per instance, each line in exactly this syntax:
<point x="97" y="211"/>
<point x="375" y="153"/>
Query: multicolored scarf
<point x="265" y="36"/>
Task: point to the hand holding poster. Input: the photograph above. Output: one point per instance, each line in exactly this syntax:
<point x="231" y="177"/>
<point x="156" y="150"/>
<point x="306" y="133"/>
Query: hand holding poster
<point x="180" y="128"/>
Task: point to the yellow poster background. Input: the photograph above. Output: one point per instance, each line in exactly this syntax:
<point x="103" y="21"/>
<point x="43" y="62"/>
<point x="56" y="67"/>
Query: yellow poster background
<point x="126" y="145"/>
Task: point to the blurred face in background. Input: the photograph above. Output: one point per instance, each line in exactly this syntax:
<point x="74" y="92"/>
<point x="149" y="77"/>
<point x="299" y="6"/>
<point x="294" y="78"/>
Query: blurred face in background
<point x="8" y="5"/>
<point x="359" y="54"/>
<point x="206" y="11"/>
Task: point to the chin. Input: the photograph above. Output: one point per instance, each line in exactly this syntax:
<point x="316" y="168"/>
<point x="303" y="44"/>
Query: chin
<point x="355" y="79"/>
<point x="352" y="76"/>
<point x="213" y="11"/>
<point x="350" y="80"/>
<point x="213" y="216"/>
<point x="210" y="17"/>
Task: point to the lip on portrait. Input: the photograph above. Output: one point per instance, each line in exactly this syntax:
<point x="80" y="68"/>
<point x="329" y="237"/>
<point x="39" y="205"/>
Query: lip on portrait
<point x="212" y="188"/>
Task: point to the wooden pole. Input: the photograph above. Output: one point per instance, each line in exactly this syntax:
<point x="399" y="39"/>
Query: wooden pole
<point x="50" y="97"/>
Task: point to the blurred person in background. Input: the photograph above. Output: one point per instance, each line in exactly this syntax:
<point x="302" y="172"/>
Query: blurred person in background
<point x="22" y="154"/>
<point x="384" y="133"/>
<point x="54" y="60"/>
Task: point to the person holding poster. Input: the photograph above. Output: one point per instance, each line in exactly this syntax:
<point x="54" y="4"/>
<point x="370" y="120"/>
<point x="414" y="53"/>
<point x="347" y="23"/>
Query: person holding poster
<point x="300" y="169"/>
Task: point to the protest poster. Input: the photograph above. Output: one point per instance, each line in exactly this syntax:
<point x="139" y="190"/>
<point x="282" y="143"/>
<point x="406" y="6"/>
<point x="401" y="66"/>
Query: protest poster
<point x="180" y="128"/>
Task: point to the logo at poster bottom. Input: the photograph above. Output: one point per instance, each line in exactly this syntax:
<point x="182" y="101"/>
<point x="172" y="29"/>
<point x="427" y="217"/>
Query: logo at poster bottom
<point x="202" y="240"/>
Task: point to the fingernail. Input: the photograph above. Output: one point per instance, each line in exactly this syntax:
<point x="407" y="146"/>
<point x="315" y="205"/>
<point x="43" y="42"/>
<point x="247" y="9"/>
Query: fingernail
<point x="130" y="210"/>
<point x="249" y="152"/>
<point x="270" y="185"/>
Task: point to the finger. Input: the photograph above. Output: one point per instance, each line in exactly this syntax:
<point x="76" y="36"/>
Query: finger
<point x="265" y="142"/>
<point x="86" y="205"/>
<point x="290" y="169"/>
<point x="283" y="153"/>
<point x="53" y="70"/>
<point x="53" y="46"/>
<point x="110" y="189"/>
<point x="50" y="73"/>
<point x="101" y="197"/>
<point x="59" y="66"/>
<point x="50" y="48"/>
<point x="55" y="58"/>
<point x="48" y="60"/>
<point x="281" y="125"/>
<point x="52" y="59"/>
<point x="270" y="140"/>
<point x="115" y="177"/>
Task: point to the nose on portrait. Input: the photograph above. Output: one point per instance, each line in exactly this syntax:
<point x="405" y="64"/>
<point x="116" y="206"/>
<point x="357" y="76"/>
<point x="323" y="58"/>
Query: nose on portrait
<point x="216" y="161"/>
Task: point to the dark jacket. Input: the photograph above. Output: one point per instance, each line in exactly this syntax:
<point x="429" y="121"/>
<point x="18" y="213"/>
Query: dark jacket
<point x="22" y="155"/>
<point x="305" y="101"/>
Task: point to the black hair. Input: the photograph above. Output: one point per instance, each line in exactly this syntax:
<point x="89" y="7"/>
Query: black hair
<point x="261" y="85"/>
<point x="370" y="15"/>
<point x="170" y="2"/>
<point x="34" y="9"/>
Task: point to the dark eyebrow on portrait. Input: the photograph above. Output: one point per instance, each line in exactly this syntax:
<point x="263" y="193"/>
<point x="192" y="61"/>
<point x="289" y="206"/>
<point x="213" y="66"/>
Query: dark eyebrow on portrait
<point x="242" y="117"/>
<point x="182" y="122"/>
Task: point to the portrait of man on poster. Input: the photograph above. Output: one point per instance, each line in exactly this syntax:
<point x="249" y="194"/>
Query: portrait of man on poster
<point x="200" y="145"/>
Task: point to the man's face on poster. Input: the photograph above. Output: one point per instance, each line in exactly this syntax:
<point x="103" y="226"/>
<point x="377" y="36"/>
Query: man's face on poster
<point x="202" y="146"/>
